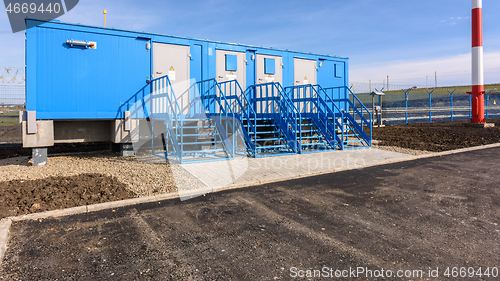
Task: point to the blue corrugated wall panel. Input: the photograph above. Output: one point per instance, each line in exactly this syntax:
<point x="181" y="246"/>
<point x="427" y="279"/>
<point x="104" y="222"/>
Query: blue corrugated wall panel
<point x="64" y="82"/>
<point x="327" y="76"/>
<point x="74" y="82"/>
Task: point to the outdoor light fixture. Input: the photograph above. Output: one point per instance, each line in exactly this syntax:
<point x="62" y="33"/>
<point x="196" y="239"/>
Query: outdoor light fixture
<point x="84" y="44"/>
<point x="377" y="93"/>
<point x="376" y="110"/>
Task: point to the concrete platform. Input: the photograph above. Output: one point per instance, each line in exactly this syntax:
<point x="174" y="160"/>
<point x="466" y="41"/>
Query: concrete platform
<point x="245" y="171"/>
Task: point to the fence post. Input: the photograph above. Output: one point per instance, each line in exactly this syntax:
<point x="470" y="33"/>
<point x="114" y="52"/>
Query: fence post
<point x="430" y="103"/>
<point x="451" y="102"/>
<point x="379" y="118"/>
<point x="470" y="106"/>
<point x="406" y="104"/>
<point x="430" y="106"/>
<point x="487" y="98"/>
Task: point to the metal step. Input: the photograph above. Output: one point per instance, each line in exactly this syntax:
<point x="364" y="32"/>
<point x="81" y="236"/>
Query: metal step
<point x="203" y="151"/>
<point x="195" y="127"/>
<point x="202" y="142"/>
<point x="271" y="146"/>
<point x="272" y="139"/>
<point x="198" y="135"/>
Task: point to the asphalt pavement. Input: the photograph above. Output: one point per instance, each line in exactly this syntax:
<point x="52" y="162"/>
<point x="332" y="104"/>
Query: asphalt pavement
<point x="419" y="219"/>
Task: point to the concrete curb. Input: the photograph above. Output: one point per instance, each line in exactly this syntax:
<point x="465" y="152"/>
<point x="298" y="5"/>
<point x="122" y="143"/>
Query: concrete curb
<point x="4" y="235"/>
<point x="7" y="222"/>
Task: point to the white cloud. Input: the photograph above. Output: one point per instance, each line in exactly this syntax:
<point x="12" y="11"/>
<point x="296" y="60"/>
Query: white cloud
<point x="453" y="70"/>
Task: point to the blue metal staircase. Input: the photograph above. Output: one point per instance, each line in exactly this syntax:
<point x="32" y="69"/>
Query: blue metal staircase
<point x="243" y="115"/>
<point x="191" y="134"/>
<point x="356" y="118"/>
<point x="320" y="122"/>
<point x="275" y="120"/>
<point x="215" y="121"/>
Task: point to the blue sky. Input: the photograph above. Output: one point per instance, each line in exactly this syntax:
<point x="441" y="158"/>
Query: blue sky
<point x="407" y="40"/>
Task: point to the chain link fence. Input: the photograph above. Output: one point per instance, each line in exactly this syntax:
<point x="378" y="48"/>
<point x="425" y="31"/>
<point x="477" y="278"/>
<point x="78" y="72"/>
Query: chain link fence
<point x="417" y="103"/>
<point x="12" y="87"/>
<point x="12" y="95"/>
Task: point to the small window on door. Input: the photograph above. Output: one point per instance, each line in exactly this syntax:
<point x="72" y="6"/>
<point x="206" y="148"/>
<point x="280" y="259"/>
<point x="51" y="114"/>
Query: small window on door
<point x="231" y="63"/>
<point x="339" y="70"/>
<point x="269" y="66"/>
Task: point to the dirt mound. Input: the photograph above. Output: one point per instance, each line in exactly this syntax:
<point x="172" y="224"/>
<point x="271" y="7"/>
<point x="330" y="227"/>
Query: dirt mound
<point x="20" y="197"/>
<point x="437" y="136"/>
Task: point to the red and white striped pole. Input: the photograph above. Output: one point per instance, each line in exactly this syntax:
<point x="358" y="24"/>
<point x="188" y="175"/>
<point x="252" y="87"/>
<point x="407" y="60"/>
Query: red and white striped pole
<point x="477" y="63"/>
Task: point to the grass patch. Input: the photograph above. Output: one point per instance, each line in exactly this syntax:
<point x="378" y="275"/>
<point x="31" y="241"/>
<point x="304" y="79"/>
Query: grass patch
<point x="422" y="94"/>
<point x="9" y="121"/>
<point x="10" y="115"/>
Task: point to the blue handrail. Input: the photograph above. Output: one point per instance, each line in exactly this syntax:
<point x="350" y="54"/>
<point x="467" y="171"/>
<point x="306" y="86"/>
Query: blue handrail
<point x="242" y="107"/>
<point x="162" y="88"/>
<point x="211" y="91"/>
<point x="360" y="113"/>
<point x="308" y="99"/>
<point x="277" y="103"/>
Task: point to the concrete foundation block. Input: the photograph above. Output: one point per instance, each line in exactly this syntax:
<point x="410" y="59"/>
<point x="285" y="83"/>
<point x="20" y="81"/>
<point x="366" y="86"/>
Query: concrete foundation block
<point x="119" y="134"/>
<point x="480" y="125"/>
<point x="43" y="137"/>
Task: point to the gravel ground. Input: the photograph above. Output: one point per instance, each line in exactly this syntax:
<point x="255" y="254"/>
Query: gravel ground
<point x="142" y="177"/>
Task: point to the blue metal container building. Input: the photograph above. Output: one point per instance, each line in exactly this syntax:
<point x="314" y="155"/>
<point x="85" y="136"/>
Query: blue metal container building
<point x="83" y="83"/>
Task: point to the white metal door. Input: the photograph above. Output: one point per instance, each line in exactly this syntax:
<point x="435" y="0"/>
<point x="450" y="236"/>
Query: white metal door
<point x="262" y="76"/>
<point x="304" y="72"/>
<point x="173" y="60"/>
<point x="227" y="75"/>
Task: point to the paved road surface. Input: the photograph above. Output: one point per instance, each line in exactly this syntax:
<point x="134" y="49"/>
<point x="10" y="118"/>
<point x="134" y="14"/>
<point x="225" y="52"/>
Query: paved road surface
<point x="429" y="213"/>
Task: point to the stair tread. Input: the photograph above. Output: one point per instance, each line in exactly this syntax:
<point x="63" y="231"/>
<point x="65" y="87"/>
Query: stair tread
<point x="203" y="150"/>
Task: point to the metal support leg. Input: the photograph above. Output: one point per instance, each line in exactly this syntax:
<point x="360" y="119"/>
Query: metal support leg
<point x="126" y="149"/>
<point x="39" y="156"/>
